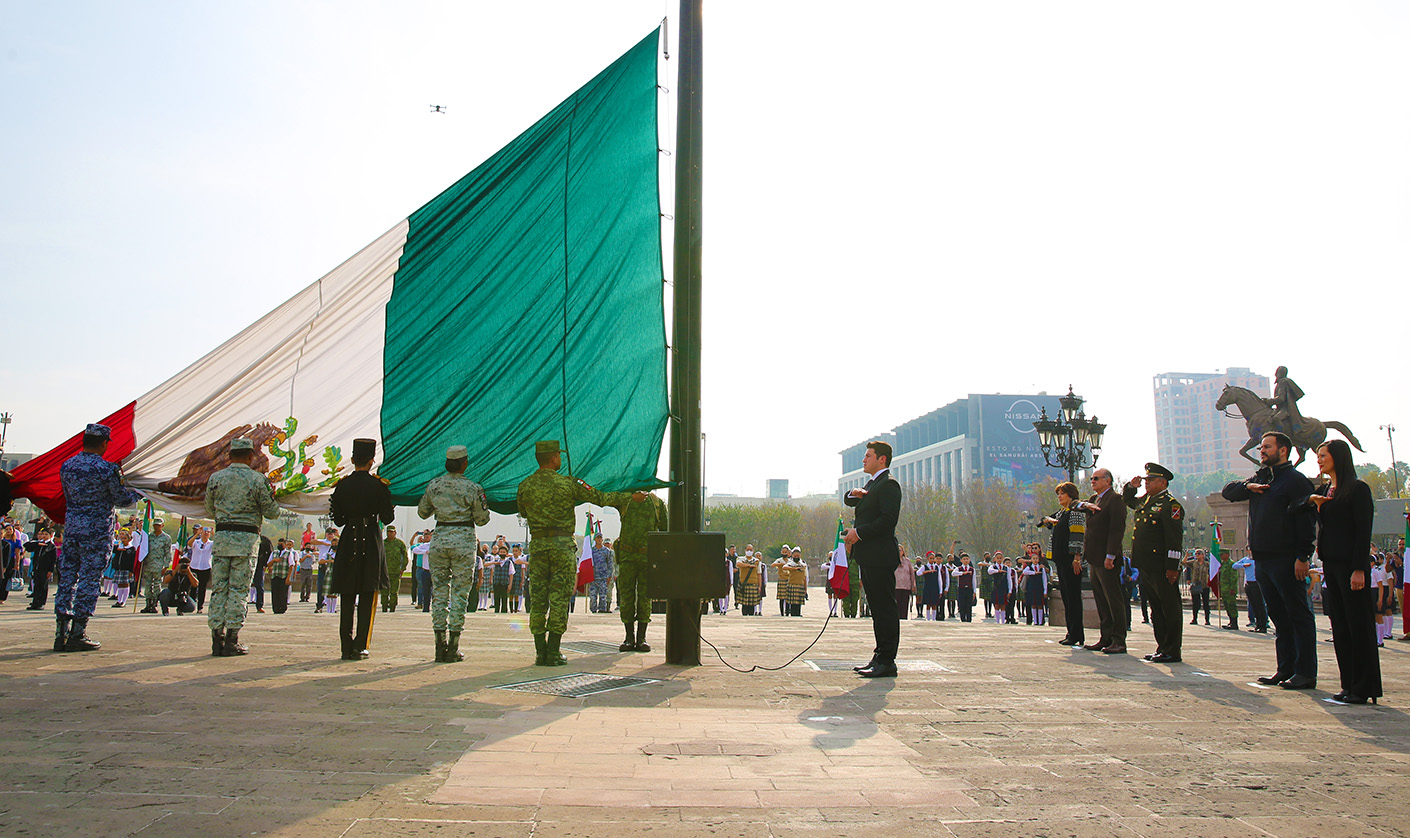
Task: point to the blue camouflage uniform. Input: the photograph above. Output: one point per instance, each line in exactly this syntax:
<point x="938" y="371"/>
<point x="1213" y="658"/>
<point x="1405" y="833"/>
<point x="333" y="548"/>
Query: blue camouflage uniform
<point x="93" y="488"/>
<point x="603" y="570"/>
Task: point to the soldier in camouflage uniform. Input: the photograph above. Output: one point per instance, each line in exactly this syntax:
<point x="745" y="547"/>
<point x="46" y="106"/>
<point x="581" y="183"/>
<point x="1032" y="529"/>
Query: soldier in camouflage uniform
<point x="238" y="498"/>
<point x="1230" y="579"/>
<point x="548" y="499"/>
<point x="638" y="519"/>
<point x="93" y="487"/>
<point x="604" y="568"/>
<point x="395" y="550"/>
<point x="459" y="506"/>
<point x="158" y="559"/>
<point x="1156" y="551"/>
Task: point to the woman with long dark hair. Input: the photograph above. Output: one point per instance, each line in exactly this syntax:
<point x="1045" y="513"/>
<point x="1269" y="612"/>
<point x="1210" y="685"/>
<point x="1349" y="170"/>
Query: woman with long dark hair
<point x="1344" y="513"/>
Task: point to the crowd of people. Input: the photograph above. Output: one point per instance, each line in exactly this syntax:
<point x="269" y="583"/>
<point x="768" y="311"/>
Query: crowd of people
<point x="1306" y="545"/>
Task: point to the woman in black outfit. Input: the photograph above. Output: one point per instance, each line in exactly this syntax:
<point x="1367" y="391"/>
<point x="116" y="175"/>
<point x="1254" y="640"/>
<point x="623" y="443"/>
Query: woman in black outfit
<point x="1344" y="512"/>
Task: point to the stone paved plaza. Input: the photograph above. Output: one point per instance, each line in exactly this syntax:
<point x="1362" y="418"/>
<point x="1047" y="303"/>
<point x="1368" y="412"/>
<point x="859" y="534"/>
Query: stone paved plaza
<point x="990" y="730"/>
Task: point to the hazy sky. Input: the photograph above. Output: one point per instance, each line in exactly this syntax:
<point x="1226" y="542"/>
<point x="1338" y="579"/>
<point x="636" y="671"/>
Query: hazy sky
<point x="904" y="202"/>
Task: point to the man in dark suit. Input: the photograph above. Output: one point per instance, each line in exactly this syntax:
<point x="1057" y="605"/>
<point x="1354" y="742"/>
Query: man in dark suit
<point x="877" y="554"/>
<point x="1101" y="544"/>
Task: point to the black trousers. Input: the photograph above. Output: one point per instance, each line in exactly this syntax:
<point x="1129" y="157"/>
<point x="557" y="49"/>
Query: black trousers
<point x="279" y="594"/>
<point x="258" y="584"/>
<point x="1353" y="631"/>
<point x="1198" y="597"/>
<point x="966" y="601"/>
<point x="40" y="578"/>
<point x="1070" y="588"/>
<point x="1167" y="608"/>
<point x="879" y="583"/>
<point x="1257" y="612"/>
<point x="203" y="581"/>
<point x="903" y="603"/>
<point x="1111" y="600"/>
<point x="362" y="603"/>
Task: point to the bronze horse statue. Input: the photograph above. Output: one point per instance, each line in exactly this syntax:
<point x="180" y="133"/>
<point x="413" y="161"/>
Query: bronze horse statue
<point x="1260" y="419"/>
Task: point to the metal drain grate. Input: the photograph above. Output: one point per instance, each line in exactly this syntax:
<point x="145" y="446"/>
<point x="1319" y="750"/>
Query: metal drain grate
<point x="577" y="685"/>
<point x="592" y="647"/>
<point x="902" y="665"/>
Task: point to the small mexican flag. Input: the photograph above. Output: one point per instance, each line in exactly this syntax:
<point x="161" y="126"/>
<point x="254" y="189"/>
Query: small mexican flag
<point x="1214" y="538"/>
<point x="838" y="579"/>
<point x="585" y="557"/>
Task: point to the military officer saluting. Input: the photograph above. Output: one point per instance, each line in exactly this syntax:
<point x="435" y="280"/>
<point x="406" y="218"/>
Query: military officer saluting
<point x="1157" y="552"/>
<point x="459" y="506"/>
<point x="548" y="499"/>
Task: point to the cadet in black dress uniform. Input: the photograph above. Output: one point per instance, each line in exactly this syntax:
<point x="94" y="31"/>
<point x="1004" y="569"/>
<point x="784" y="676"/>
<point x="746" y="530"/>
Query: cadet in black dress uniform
<point x="359" y="502"/>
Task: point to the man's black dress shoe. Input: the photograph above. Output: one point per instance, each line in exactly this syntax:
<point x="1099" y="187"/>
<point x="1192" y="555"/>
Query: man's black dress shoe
<point x="1299" y="682"/>
<point x="1067" y="641"/>
<point x="1152" y="656"/>
<point x="1273" y="680"/>
<point x="868" y="665"/>
<point x="1164" y="658"/>
<point x="880" y="670"/>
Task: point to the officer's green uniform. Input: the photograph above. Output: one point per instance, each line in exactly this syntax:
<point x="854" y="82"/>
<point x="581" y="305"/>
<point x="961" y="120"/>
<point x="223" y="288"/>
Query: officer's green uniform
<point x="547" y="500"/>
<point x="459" y="506"/>
<point x="1230" y="578"/>
<point x="854" y="590"/>
<point x="1156" y="548"/>
<point x="395" y="550"/>
<point x="238" y="499"/>
<point x="638" y="519"/>
<point x="158" y="559"/>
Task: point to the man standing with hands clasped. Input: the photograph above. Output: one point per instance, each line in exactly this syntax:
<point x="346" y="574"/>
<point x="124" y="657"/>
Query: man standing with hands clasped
<point x="1157" y="552"/>
<point x="1281" y="536"/>
<point x="876" y="553"/>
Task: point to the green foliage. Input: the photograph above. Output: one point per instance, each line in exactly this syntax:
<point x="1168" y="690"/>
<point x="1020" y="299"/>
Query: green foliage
<point x="927" y="519"/>
<point x="987" y="514"/>
<point x="768" y="527"/>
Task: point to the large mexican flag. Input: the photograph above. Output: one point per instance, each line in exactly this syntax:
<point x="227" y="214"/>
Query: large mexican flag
<point x="524" y="302"/>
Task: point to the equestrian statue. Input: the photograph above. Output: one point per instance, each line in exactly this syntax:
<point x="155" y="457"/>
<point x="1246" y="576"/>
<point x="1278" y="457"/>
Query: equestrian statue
<point x="1280" y="413"/>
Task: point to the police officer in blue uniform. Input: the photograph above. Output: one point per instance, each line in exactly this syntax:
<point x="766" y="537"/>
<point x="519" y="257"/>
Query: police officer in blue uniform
<point x="93" y="488"/>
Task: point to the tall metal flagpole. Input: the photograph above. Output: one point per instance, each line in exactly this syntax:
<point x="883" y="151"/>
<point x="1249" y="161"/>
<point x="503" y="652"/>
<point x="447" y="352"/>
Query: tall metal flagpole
<point x="686" y="504"/>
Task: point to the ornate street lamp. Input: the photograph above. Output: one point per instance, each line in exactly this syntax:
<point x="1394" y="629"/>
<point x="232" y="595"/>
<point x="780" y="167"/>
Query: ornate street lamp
<point x="1070" y="439"/>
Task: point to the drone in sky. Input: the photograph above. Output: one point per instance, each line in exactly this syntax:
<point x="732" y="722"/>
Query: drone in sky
<point x="438" y="109"/>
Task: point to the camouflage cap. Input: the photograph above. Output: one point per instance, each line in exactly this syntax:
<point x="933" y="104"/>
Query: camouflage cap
<point x="548" y="446"/>
<point x="96" y="430"/>
<point x="457" y="452"/>
<point x="239" y="443"/>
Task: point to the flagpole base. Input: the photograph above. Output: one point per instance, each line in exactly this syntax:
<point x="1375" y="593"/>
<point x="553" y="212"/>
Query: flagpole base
<point x="683" y="632"/>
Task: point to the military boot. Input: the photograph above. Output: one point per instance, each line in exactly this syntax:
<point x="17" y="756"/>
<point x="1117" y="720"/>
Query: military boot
<point x="628" y="645"/>
<point x="453" y="654"/>
<point x="551" y="655"/>
<point x="440" y="646"/>
<point x="233" y="646"/>
<point x="78" y="638"/>
<point x="218" y="643"/>
<point x="641" y="637"/>
<point x="61" y="638"/>
<point x="540" y="650"/>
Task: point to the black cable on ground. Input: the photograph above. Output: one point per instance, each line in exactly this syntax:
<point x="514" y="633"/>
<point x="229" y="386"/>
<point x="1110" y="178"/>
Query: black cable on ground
<point x="769" y="668"/>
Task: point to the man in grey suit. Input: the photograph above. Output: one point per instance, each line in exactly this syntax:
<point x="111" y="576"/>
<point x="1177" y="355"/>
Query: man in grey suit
<point x="1106" y="524"/>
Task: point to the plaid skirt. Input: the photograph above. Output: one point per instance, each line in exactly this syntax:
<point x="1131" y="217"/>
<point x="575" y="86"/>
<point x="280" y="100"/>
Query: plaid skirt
<point x="792" y="593"/>
<point x="747" y="593"/>
<point x="122" y="577"/>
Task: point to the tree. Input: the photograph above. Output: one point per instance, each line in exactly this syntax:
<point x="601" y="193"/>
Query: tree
<point x="927" y="519"/>
<point x="767" y="527"/>
<point x="818" y="531"/>
<point x="987" y="515"/>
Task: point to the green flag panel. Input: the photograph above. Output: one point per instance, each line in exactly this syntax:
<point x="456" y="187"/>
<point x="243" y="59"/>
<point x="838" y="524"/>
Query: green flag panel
<point x="528" y="303"/>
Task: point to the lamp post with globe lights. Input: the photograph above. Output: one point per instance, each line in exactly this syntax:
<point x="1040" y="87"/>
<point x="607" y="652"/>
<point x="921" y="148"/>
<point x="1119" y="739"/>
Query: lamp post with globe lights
<point x="1070" y="439"/>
